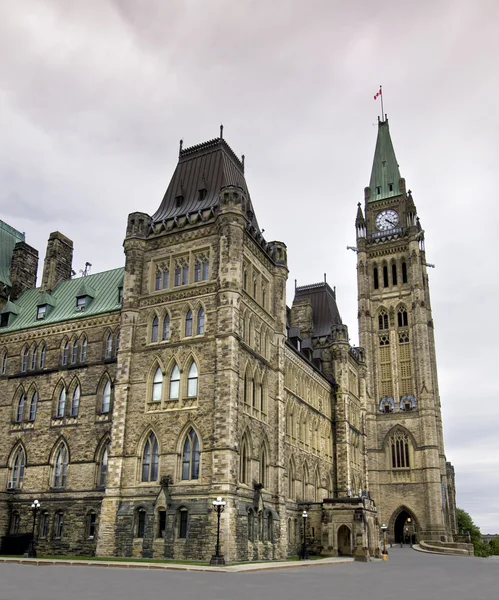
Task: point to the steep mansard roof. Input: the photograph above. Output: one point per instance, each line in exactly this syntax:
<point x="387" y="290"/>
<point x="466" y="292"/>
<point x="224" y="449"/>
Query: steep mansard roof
<point x="325" y="311"/>
<point x="8" y="239"/>
<point x="385" y="171"/>
<point x="209" y="166"/>
<point x="102" y="288"/>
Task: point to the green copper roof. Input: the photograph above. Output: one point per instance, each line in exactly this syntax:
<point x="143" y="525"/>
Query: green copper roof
<point x="385" y="176"/>
<point x="85" y="288"/>
<point x="105" y="287"/>
<point x="10" y="307"/>
<point x="8" y="239"/>
<point x="46" y="298"/>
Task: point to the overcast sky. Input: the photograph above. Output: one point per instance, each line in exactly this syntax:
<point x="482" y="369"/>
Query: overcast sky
<point x="95" y="95"/>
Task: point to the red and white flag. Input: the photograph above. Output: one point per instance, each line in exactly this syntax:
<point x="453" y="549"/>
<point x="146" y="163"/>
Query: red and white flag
<point x="378" y="93"/>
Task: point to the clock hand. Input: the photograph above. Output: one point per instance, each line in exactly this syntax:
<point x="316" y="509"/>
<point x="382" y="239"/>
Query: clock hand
<point x="388" y="221"/>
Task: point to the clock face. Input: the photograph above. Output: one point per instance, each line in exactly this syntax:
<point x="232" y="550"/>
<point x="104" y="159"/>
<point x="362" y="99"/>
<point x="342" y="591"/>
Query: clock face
<point x="387" y="219"/>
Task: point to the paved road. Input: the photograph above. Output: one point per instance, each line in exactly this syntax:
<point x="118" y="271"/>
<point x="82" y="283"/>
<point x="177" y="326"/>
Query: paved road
<point x="408" y="575"/>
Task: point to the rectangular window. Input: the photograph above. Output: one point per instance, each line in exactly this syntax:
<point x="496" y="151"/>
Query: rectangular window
<point x="185" y="275"/>
<point x="161" y="523"/>
<point x="91" y="519"/>
<point x="44" y="525"/>
<point x="182" y="531"/>
<point x="58" y="524"/>
<point x="141" y="525"/>
<point x="157" y="284"/>
<point x="41" y="311"/>
<point x="206" y="268"/>
<point x="197" y="272"/>
<point x="166" y="276"/>
<point x="177" y="276"/>
<point x="81" y="303"/>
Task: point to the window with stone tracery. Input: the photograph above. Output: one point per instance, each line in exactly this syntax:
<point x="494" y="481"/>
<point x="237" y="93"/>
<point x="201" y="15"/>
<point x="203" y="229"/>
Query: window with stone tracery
<point x="400" y="450"/>
<point x="382" y="320"/>
<point x="405" y="368"/>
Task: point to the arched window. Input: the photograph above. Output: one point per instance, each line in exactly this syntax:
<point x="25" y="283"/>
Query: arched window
<point x="33" y="358"/>
<point x="75" y="402"/>
<point x="103" y="465"/>
<point x="90" y="523"/>
<point x="61" y="466"/>
<point x="154" y="329"/>
<point x="385" y="276"/>
<point x="20" y="408"/>
<point x="32" y="406"/>
<point x="200" y="321"/>
<point x="190" y="456"/>
<point x="175" y="383"/>
<point x="74" y="352"/>
<point x="375" y="278"/>
<point x="244" y="463"/>
<point x="24" y="364"/>
<point x="399" y="449"/>
<point x="65" y="353"/>
<point x="166" y="327"/>
<point x="404" y="272"/>
<point x="382" y="320"/>
<point x="61" y="403"/>
<point x="157" y="385"/>
<point x="58" y="524"/>
<point x="18" y="464"/>
<point x="192" y="381"/>
<point x="263" y="468"/>
<point x="83" y="350"/>
<point x="402" y="317"/>
<point x="109" y="346"/>
<point x="43" y="353"/>
<point x="106" y="398"/>
<point x="150" y="459"/>
<point x="188" y="323"/>
<point x="4" y="363"/>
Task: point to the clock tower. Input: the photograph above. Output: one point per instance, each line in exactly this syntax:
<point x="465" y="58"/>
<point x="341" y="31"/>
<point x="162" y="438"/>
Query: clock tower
<point x="410" y="480"/>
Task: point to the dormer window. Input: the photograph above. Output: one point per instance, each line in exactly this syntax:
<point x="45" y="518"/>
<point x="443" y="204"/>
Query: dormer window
<point x="179" y="200"/>
<point x="41" y="312"/>
<point x="81" y="303"/>
<point x="390" y="187"/>
<point x="202" y="193"/>
<point x="378" y="190"/>
<point x="4" y="320"/>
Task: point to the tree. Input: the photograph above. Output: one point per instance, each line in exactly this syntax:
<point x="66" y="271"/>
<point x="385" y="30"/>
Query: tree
<point x="466" y="526"/>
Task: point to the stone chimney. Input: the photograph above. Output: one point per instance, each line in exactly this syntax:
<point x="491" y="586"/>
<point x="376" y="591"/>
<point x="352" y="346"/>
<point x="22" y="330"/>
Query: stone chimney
<point x="58" y="261"/>
<point x="23" y="268"/>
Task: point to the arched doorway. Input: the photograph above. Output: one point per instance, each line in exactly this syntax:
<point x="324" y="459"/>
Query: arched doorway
<point x="344" y="541"/>
<point x="404" y="528"/>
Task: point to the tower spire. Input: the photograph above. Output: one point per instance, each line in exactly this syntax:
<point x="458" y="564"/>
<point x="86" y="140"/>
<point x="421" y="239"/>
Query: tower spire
<point x="385" y="174"/>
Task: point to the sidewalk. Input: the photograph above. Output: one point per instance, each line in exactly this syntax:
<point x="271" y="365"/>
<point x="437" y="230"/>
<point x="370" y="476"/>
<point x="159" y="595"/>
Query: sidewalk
<point x="239" y="568"/>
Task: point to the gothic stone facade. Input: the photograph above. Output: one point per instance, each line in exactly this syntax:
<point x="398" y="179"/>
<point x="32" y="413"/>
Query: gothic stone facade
<point x="184" y="377"/>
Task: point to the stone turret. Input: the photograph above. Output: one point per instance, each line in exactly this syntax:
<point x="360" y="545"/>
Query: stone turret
<point x="58" y="261"/>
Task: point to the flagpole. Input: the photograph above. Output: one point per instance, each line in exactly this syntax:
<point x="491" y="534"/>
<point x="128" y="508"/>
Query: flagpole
<point x="381" y="96"/>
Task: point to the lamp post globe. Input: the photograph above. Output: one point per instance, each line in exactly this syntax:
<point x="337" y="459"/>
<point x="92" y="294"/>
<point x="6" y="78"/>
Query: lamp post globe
<point x="304" y="551"/>
<point x="31" y="551"/>
<point x="218" y="507"/>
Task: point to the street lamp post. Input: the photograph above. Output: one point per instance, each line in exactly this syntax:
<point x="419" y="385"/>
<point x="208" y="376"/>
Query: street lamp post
<point x="384" y="554"/>
<point x="218" y="506"/>
<point x="304" y="551"/>
<point x="31" y="551"/>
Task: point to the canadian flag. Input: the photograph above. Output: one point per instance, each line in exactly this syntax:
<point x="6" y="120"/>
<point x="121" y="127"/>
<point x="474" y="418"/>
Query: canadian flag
<point x="378" y="93"/>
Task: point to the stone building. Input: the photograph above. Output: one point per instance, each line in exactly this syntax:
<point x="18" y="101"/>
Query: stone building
<point x="130" y="399"/>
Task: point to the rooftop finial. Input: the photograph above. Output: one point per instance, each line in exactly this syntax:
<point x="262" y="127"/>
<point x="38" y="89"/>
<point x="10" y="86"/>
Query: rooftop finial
<point x="242" y="161"/>
<point x="325" y="278"/>
<point x="180" y="147"/>
<point x="221" y="132"/>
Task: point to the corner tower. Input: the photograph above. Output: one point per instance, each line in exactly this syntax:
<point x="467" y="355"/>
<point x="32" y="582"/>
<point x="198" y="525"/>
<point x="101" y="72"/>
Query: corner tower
<point x="407" y="464"/>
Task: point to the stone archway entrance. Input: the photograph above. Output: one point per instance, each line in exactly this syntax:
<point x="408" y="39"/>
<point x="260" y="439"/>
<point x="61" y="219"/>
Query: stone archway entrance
<point x="344" y="541"/>
<point x="404" y="528"/>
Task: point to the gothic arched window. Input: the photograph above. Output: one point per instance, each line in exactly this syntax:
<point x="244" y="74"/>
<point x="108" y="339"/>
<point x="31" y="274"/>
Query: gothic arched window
<point x="385" y="276"/>
<point x="20" y="408"/>
<point x="43" y="353"/>
<point x="61" y="466"/>
<point x="75" y="402"/>
<point x="382" y="319"/>
<point x="394" y="274"/>
<point x="175" y="383"/>
<point x="150" y="459"/>
<point x="103" y="465"/>
<point x="24" y="364"/>
<point x="192" y="381"/>
<point x="263" y="468"/>
<point x="61" y="403"/>
<point x="399" y="449"/>
<point x="157" y="385"/>
<point x="83" y="350"/>
<point x="65" y="353"/>
<point x="154" y="329"/>
<point x="33" y="358"/>
<point x="188" y="323"/>
<point x="375" y="278"/>
<point x="190" y="456"/>
<point x="402" y="317"/>
<point x="244" y="463"/>
<point x="106" y="398"/>
<point x="18" y="465"/>
<point x="404" y="272"/>
<point x="4" y="363"/>
<point x="32" y="406"/>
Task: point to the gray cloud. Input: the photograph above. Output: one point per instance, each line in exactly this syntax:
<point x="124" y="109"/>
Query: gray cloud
<point x="94" y="97"/>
